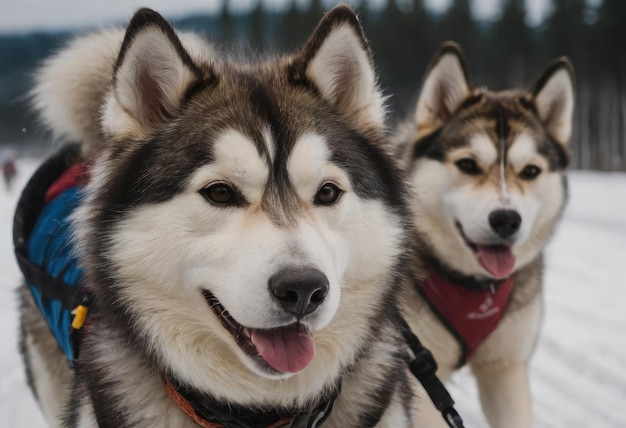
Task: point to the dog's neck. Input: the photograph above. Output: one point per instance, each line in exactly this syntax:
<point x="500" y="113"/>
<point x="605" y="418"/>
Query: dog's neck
<point x="208" y="412"/>
<point x="432" y="264"/>
<point x="108" y="360"/>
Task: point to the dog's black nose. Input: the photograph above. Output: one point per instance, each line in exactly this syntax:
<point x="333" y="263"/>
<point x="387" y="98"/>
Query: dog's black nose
<point x="298" y="291"/>
<point x="505" y="222"/>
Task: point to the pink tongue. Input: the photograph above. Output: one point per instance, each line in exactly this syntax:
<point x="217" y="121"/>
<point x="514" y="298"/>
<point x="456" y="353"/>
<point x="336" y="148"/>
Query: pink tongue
<point x="497" y="259"/>
<point x="287" y="349"/>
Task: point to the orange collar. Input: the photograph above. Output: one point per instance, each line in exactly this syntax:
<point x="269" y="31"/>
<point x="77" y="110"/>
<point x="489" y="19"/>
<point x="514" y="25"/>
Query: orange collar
<point x="185" y="405"/>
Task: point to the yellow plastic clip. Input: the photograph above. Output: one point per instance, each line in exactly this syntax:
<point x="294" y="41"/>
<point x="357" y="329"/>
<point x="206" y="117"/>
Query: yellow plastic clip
<point x="80" y="315"/>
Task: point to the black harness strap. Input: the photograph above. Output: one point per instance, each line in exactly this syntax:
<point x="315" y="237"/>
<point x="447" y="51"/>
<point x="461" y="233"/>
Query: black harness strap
<point x="424" y="368"/>
<point x="50" y="287"/>
<point x="316" y="416"/>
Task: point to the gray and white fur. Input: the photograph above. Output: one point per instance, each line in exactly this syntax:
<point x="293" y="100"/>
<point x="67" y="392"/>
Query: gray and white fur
<point x="486" y="169"/>
<point x="211" y="177"/>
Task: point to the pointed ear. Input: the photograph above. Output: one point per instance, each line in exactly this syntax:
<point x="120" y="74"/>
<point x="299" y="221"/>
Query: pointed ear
<point x="337" y="61"/>
<point x="152" y="74"/>
<point x="554" y="98"/>
<point x="446" y="85"/>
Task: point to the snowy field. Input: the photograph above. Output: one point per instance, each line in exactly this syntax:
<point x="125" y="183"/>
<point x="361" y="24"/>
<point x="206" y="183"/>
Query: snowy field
<point x="578" y="372"/>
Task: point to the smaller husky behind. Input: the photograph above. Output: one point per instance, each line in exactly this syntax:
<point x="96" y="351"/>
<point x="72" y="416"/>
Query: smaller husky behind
<point x="487" y="170"/>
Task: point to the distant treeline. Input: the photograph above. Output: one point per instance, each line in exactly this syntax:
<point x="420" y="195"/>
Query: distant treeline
<point x="404" y="35"/>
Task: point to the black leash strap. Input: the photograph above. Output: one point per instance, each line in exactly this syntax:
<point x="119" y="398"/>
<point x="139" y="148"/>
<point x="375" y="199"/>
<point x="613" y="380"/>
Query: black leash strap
<point x="424" y="368"/>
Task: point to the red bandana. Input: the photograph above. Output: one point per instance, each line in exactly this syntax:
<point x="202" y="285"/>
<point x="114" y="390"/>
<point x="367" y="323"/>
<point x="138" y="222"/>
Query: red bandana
<point x="470" y="315"/>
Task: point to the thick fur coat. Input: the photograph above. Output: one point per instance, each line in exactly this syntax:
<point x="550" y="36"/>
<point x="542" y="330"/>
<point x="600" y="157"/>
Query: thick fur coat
<point x="244" y="232"/>
<point x="487" y="171"/>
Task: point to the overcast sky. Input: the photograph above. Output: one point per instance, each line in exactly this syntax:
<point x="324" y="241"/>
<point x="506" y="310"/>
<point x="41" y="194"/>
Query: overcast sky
<point x="27" y="15"/>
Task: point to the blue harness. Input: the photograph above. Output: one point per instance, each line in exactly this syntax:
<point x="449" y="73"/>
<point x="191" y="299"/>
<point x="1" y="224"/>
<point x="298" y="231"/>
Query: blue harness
<point x="45" y="253"/>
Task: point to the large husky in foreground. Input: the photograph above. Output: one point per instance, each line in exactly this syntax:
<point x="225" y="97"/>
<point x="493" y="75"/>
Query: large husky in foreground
<point x="242" y="235"/>
<point x="487" y="169"/>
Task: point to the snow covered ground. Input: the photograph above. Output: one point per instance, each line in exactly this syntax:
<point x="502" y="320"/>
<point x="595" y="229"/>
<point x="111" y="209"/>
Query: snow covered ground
<point x="579" y="369"/>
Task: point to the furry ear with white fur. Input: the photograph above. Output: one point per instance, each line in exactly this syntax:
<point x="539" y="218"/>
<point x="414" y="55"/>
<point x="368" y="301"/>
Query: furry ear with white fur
<point x="553" y="95"/>
<point x="446" y="86"/>
<point x="337" y="61"/>
<point x="152" y="74"/>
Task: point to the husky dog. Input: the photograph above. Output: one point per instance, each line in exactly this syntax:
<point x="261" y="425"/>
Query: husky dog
<point x="487" y="171"/>
<point x="242" y="235"/>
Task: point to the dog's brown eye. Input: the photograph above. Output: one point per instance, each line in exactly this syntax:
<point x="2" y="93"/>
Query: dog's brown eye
<point x="328" y="194"/>
<point x="219" y="194"/>
<point x="468" y="166"/>
<point x="530" y="172"/>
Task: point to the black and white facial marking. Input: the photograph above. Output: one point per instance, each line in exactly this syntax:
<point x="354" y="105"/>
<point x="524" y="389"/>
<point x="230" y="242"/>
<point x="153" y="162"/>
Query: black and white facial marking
<point x="244" y="205"/>
<point x="488" y="167"/>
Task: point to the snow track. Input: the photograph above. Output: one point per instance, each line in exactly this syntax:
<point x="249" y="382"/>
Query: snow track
<point x="578" y="373"/>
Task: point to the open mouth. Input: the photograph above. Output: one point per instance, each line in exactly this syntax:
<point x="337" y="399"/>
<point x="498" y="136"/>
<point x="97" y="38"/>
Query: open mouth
<point x="497" y="260"/>
<point x="286" y="349"/>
